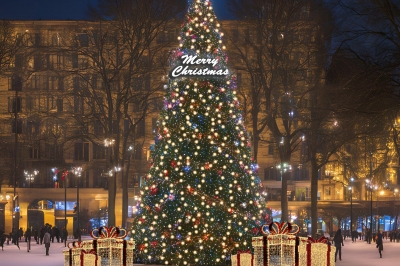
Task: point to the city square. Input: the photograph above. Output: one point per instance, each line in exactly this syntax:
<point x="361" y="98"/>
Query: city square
<point x="200" y="132"/>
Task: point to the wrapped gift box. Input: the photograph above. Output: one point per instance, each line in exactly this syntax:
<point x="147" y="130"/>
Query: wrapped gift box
<point x="108" y="248"/>
<point x="316" y="253"/>
<point x="243" y="258"/>
<point x="281" y="250"/>
<point x="259" y="244"/>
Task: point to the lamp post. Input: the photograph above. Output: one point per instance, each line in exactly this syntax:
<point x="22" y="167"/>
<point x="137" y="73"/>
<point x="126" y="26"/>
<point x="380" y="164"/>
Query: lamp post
<point x="77" y="172"/>
<point x="64" y="177"/>
<point x="368" y="185"/>
<point x="394" y="207"/>
<point x="109" y="143"/>
<point x="381" y="193"/>
<point x="351" y="203"/>
<point x="30" y="176"/>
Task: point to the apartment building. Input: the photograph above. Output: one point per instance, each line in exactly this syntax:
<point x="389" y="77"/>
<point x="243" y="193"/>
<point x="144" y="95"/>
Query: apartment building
<point x="50" y="123"/>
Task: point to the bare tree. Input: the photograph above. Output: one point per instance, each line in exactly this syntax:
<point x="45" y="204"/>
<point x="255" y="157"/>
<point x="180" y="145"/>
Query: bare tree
<point x="120" y="56"/>
<point x="280" y="59"/>
<point x="9" y="45"/>
<point x="371" y="30"/>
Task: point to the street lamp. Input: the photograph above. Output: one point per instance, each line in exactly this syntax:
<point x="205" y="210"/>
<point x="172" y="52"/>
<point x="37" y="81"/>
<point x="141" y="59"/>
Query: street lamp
<point x="381" y="193"/>
<point x="394" y="207"/>
<point x="77" y="172"/>
<point x="368" y="185"/>
<point x="109" y="143"/>
<point x="30" y="176"/>
<point x="64" y="177"/>
<point x="351" y="203"/>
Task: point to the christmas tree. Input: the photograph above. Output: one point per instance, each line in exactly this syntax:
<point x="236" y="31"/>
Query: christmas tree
<point x="201" y="200"/>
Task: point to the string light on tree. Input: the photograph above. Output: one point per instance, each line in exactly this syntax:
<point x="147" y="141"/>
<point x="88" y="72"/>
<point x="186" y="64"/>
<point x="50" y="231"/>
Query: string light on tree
<point x="201" y="175"/>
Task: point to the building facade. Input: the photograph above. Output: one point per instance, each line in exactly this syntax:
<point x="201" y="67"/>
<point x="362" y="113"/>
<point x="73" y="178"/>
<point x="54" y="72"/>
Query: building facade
<point x="49" y="123"/>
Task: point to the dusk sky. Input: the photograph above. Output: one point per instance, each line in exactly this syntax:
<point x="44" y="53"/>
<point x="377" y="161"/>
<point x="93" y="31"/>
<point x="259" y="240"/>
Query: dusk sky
<point x="65" y="9"/>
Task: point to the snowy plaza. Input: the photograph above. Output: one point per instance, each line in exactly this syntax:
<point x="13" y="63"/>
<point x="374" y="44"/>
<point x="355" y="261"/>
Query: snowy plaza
<point x="353" y="254"/>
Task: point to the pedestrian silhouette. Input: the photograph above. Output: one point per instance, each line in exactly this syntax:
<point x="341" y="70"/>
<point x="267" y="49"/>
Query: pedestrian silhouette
<point x="338" y="239"/>
<point x="46" y="240"/>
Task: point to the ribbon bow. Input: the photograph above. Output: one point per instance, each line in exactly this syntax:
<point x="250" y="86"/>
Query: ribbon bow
<point x="322" y="240"/>
<point x="75" y="244"/>
<point x="283" y="228"/>
<point x="244" y="251"/>
<point x="112" y="232"/>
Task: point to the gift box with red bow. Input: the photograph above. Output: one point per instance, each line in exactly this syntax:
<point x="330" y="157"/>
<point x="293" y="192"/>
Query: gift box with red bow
<point x="316" y="252"/>
<point x="259" y="244"/>
<point x="243" y="258"/>
<point x="281" y="243"/>
<point x="108" y="242"/>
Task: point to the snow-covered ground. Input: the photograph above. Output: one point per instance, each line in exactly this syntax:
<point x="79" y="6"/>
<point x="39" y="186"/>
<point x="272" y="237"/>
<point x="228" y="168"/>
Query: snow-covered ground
<point x="353" y="254"/>
<point x="36" y="256"/>
<point x="361" y="253"/>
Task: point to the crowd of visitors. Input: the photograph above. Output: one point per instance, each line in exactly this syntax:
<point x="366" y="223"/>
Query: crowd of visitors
<point x="44" y="235"/>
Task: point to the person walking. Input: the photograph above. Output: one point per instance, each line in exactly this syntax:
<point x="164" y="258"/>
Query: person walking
<point x="369" y="236"/>
<point x="57" y="234"/>
<point x="42" y="232"/>
<point x="379" y="242"/>
<point x="16" y="237"/>
<point x="355" y="235"/>
<point x="20" y="233"/>
<point x="2" y="239"/>
<point x="53" y="233"/>
<point x="35" y="236"/>
<point x="338" y="239"/>
<point x="46" y="241"/>
<point x="65" y="235"/>
<point x="28" y="235"/>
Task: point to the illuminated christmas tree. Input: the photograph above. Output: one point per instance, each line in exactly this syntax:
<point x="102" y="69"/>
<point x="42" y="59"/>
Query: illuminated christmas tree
<point x="201" y="200"/>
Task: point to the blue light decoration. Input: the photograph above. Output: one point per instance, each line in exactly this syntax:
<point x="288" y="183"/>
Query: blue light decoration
<point x="186" y="169"/>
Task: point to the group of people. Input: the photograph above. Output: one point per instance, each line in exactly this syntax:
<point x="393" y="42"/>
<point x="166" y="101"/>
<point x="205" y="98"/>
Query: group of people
<point x="338" y="241"/>
<point x="394" y="236"/>
<point x="14" y="236"/>
<point x="45" y="235"/>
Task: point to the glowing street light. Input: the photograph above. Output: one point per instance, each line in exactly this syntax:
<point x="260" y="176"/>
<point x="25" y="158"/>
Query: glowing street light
<point x="351" y="203"/>
<point x="30" y="176"/>
<point x="77" y="172"/>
